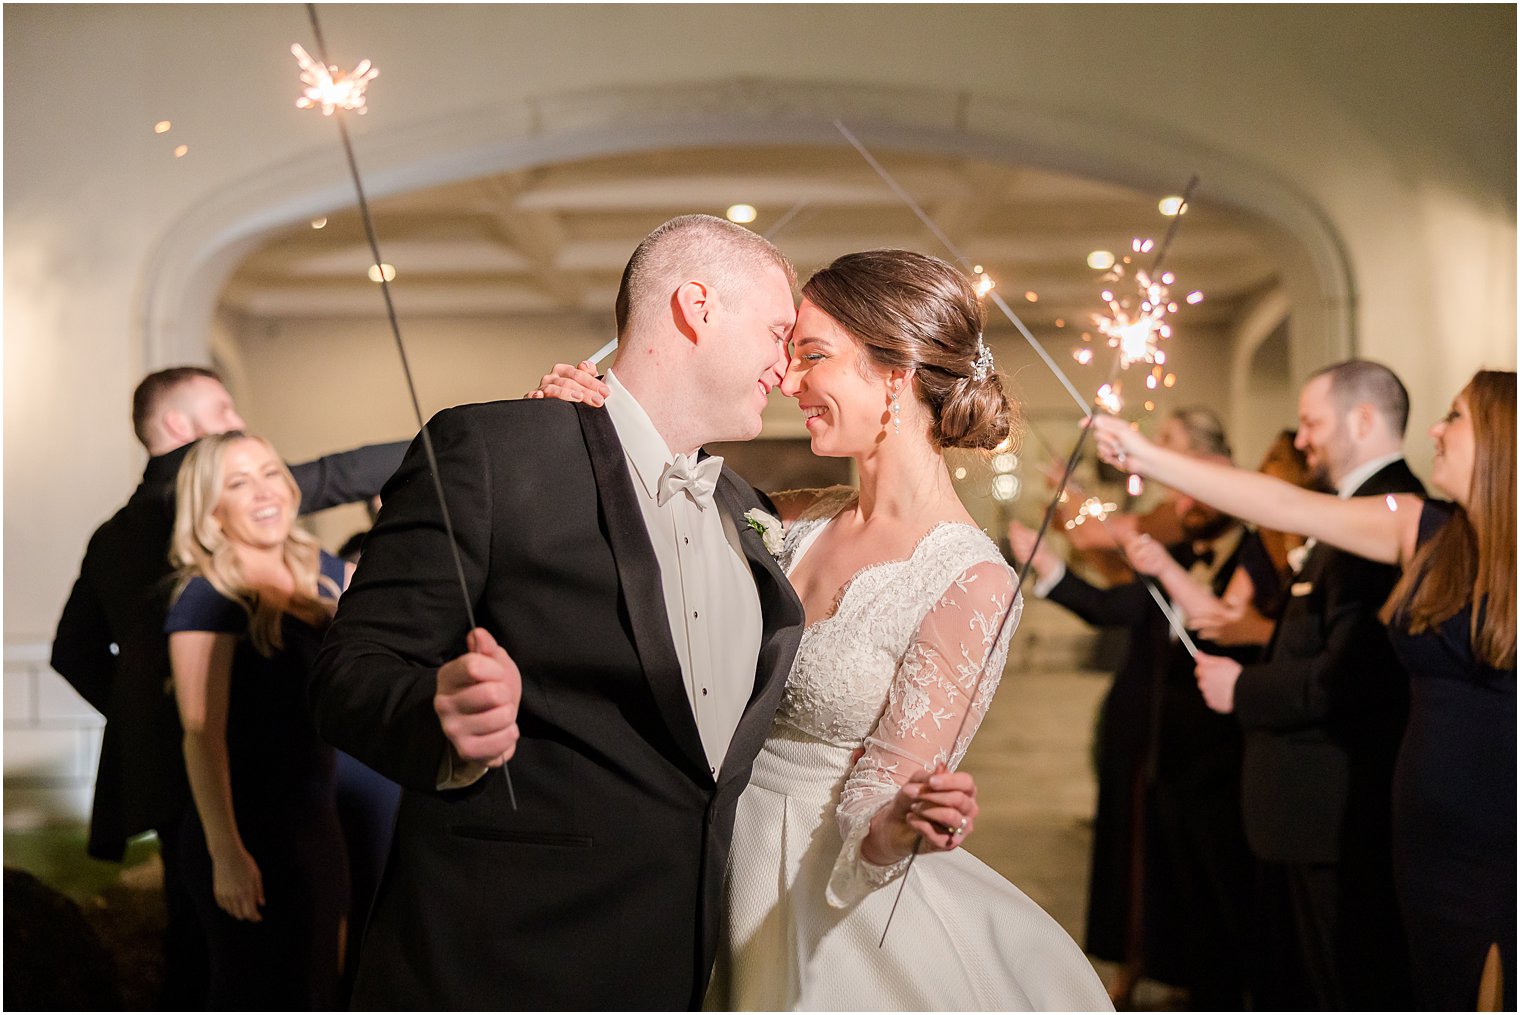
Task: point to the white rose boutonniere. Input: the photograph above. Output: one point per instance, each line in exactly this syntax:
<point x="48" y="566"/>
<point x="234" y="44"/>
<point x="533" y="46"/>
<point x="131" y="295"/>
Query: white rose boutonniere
<point x="769" y="528"/>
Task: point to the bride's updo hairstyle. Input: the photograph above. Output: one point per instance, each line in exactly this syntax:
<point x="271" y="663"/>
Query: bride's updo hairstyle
<point x="912" y="311"/>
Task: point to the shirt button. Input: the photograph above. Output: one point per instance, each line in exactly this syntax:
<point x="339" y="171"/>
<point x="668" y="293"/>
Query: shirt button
<point x="693" y="614"/>
<point x="685" y="539"/>
<point x="704" y="690"/>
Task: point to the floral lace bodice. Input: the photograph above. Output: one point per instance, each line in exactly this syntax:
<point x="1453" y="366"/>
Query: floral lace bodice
<point x="896" y="666"/>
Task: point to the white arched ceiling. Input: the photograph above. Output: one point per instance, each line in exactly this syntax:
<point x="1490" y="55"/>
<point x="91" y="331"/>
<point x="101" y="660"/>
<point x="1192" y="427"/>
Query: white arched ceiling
<point x="199" y="251"/>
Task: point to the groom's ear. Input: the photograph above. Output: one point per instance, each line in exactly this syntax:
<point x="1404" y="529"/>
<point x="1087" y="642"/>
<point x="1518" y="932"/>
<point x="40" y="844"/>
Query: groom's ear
<point x="692" y="306"/>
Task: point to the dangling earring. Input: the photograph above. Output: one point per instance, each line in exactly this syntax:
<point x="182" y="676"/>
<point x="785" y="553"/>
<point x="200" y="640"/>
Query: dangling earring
<point x="896" y="414"/>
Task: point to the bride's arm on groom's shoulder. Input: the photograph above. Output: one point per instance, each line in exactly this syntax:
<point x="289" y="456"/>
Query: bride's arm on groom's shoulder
<point x="903" y="786"/>
<point x="568" y="383"/>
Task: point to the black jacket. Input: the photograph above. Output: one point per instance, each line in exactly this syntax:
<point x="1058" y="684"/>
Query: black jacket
<point x="603" y="889"/>
<point x="110" y="643"/>
<point x="1324" y="712"/>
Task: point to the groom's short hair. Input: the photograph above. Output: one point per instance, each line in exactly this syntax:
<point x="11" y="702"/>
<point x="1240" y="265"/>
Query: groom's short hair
<point x="701" y="247"/>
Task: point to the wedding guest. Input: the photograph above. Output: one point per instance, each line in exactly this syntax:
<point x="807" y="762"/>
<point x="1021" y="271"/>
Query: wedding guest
<point x="1171" y="880"/>
<point x="1191" y="429"/>
<point x="110" y="643"/>
<point x="1451" y="618"/>
<point x="1246" y="612"/>
<point x="264" y="853"/>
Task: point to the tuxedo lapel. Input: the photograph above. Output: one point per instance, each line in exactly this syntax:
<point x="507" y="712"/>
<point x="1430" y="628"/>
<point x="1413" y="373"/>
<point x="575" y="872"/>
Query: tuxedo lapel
<point x="639" y="576"/>
<point x="781" y="619"/>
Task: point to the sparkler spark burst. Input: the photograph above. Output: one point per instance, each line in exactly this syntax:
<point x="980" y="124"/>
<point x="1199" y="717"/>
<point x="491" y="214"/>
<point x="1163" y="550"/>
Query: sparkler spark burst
<point x="331" y="88"/>
<point x="1108" y="398"/>
<point x="1092" y="508"/>
<point x="1136" y="322"/>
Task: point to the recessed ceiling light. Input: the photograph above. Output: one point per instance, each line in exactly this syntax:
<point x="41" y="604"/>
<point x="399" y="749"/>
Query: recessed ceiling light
<point x="1100" y="260"/>
<point x="318" y="223"/>
<point x="379" y="271"/>
<point x="181" y="151"/>
<point x="741" y="213"/>
<point x="1032" y="296"/>
<point x="162" y="127"/>
<point x="1170" y="206"/>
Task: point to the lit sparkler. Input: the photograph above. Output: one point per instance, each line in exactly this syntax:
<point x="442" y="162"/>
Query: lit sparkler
<point x="331" y="88"/>
<point x="1136" y="324"/>
<point x="345" y="92"/>
<point x="1023" y="570"/>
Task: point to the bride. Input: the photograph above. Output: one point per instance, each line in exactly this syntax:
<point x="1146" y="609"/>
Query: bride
<point x="909" y="610"/>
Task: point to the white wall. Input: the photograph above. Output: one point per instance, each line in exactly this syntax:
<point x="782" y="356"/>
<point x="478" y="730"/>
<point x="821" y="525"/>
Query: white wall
<point x="1392" y="128"/>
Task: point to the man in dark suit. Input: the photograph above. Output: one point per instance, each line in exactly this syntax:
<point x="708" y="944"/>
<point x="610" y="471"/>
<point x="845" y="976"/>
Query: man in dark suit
<point x="640" y="636"/>
<point x="1323" y="715"/>
<point x="110" y="644"/>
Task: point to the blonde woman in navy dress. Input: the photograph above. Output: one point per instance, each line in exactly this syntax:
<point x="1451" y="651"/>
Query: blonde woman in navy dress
<point x="267" y="866"/>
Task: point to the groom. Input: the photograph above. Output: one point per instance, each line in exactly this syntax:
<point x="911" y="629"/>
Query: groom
<point x="633" y="640"/>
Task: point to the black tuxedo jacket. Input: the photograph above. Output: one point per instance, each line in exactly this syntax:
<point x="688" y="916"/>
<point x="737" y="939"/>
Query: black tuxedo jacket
<point x="120" y="600"/>
<point x="1324" y="713"/>
<point x="602" y="890"/>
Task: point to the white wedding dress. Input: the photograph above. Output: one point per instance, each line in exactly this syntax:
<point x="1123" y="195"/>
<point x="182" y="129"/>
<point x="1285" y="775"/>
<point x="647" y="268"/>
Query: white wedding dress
<point x="892" y="670"/>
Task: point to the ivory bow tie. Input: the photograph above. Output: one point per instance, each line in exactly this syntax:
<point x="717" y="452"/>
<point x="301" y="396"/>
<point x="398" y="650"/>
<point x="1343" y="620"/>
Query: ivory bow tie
<point x="698" y="479"/>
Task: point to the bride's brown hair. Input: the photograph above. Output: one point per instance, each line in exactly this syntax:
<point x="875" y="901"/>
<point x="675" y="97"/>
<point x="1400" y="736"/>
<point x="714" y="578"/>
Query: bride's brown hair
<point x="912" y="311"/>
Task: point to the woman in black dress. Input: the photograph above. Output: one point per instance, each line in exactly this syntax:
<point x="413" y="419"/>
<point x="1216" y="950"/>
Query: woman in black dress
<point x="1452" y="621"/>
<point x="268" y="870"/>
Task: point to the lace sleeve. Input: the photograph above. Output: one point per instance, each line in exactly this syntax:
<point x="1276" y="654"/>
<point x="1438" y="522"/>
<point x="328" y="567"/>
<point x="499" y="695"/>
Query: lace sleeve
<point x="956" y="653"/>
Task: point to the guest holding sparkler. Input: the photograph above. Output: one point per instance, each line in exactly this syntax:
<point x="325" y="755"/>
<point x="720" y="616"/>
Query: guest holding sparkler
<point x="1246" y="612"/>
<point x="1171" y="879"/>
<point x="266" y="864"/>
<point x="1196" y="430"/>
<point x="1451" y="618"/>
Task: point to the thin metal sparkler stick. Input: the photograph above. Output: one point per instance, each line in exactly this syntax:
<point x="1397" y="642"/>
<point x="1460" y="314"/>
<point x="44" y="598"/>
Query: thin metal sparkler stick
<point x="1088" y="413"/>
<point x="955" y="252"/>
<point x="1055" y="367"/>
<point x="1173" y="620"/>
<point x="918" y="840"/>
<point x="406" y="369"/>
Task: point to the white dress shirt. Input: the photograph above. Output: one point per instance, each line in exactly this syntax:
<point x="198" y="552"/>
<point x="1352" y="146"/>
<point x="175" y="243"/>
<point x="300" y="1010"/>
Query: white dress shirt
<point x="1345" y="490"/>
<point x="710" y="595"/>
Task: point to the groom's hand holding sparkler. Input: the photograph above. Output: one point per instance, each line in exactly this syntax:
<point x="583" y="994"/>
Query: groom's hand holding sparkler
<point x="476" y="701"/>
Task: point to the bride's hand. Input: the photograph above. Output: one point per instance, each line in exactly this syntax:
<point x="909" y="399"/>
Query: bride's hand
<point x="938" y="807"/>
<point x="572" y="384"/>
